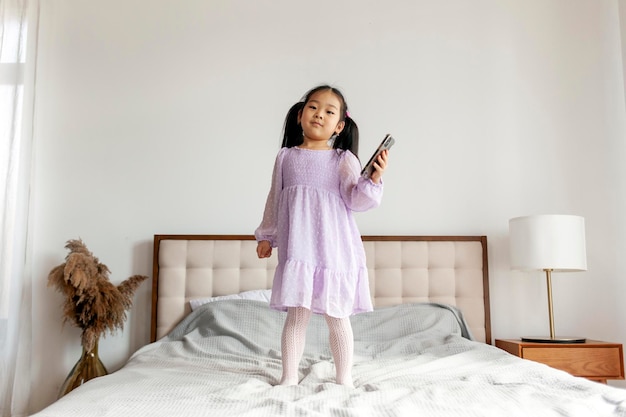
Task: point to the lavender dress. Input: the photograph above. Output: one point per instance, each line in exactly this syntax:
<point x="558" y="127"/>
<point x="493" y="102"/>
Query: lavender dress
<point x="308" y="217"/>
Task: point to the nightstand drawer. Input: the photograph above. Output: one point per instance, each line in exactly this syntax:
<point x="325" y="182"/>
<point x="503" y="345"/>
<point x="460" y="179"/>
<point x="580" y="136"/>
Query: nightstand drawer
<point x="593" y="359"/>
<point x="590" y="362"/>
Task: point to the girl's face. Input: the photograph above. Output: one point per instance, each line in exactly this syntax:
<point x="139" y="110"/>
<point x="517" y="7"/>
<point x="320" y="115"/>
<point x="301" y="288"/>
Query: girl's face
<point x="320" y="118"/>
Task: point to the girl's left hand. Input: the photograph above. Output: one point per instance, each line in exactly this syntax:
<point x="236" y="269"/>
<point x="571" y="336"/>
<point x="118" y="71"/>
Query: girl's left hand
<point x="380" y="165"/>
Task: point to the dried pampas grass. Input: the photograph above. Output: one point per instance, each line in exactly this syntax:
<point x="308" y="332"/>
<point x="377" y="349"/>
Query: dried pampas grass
<point x="92" y="302"/>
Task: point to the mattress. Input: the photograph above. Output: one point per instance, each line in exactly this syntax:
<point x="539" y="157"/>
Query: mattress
<point x="414" y="359"/>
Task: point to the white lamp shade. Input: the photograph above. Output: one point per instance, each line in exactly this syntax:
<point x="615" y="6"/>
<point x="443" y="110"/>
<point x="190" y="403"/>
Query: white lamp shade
<point x="548" y="241"/>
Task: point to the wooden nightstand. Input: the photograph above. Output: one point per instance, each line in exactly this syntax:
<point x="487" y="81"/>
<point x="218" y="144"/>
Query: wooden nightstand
<point x="593" y="359"/>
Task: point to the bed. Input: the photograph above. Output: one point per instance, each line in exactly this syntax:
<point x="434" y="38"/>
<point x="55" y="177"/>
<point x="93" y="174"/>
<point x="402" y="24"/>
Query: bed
<point x="425" y="350"/>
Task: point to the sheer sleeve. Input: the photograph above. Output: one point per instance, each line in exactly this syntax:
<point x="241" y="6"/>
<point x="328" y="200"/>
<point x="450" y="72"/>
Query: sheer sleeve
<point x="359" y="194"/>
<point x="268" y="227"/>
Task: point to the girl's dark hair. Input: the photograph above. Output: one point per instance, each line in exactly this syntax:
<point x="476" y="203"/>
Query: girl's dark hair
<point x="348" y="139"/>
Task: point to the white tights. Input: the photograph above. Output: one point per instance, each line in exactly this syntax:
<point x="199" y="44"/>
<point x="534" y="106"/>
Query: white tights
<point x="292" y="343"/>
<point x="342" y="346"/>
<point x="294" y="336"/>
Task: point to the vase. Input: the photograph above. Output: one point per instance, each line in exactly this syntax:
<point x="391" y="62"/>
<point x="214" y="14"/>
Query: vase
<point x="88" y="367"/>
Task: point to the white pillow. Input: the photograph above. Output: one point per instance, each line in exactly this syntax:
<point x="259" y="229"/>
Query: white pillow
<point x="258" y="295"/>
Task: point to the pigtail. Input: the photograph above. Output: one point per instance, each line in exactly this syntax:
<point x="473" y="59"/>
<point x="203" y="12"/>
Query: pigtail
<point x="348" y="139"/>
<point x="292" y="130"/>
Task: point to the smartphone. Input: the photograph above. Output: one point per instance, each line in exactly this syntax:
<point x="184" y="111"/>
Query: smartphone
<point x="387" y="143"/>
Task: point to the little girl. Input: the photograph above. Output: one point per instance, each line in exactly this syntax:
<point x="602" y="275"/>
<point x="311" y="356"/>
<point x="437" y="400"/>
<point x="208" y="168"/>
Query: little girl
<point x="316" y="185"/>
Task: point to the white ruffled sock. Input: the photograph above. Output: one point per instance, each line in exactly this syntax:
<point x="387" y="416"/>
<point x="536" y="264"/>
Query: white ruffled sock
<point x="292" y="343"/>
<point x="342" y="346"/>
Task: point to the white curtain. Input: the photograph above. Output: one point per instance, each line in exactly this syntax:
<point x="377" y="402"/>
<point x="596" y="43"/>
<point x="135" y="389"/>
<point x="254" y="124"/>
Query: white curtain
<point x="18" y="36"/>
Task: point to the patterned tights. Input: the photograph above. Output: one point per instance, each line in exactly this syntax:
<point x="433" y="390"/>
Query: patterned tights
<point x="293" y="339"/>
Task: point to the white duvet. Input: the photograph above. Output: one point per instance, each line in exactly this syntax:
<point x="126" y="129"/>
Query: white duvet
<point x="410" y="360"/>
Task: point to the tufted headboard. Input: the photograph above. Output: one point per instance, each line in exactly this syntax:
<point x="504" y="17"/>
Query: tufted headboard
<point x="446" y="269"/>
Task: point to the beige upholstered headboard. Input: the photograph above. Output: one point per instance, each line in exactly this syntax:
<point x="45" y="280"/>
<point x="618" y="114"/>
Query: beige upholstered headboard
<point x="445" y="269"/>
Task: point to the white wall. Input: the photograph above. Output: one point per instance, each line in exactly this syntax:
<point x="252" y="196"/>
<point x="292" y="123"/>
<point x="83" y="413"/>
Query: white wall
<point x="164" y="117"/>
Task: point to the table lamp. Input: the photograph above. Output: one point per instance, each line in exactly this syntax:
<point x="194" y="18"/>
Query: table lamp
<point x="548" y="243"/>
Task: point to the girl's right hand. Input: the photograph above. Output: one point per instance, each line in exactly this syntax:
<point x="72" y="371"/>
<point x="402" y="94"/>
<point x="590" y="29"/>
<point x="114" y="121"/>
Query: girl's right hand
<point x="264" y="249"/>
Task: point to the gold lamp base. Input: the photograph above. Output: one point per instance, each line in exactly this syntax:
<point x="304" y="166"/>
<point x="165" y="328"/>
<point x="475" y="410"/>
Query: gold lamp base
<point x="552" y="338"/>
<point x="559" y="339"/>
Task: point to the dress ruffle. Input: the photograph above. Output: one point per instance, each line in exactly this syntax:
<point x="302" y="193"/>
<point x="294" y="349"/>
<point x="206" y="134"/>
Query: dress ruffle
<point x="323" y="291"/>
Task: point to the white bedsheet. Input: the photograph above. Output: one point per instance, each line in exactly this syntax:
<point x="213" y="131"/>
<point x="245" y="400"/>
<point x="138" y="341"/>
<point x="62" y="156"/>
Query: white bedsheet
<point x="410" y="360"/>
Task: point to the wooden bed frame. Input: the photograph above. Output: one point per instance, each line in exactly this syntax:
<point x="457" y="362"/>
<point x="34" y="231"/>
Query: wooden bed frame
<point x="445" y="269"/>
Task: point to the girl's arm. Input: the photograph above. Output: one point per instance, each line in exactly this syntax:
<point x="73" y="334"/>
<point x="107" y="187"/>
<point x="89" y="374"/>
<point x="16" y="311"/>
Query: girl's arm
<point x="267" y="229"/>
<point x="359" y="194"/>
